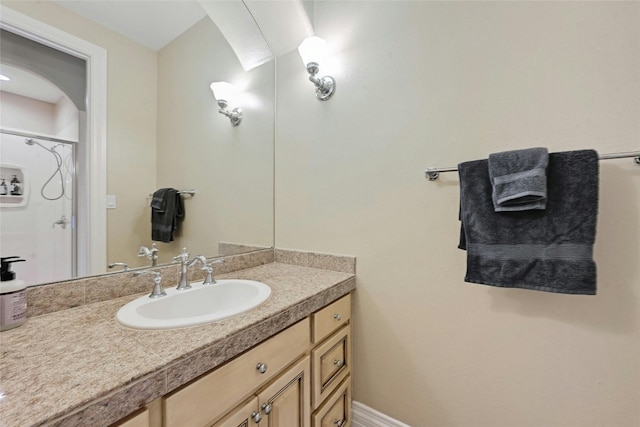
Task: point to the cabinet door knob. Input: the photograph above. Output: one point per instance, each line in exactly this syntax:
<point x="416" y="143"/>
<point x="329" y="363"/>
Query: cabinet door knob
<point x="338" y="363"/>
<point x="338" y="422"/>
<point x="337" y="316"/>
<point x="266" y="407"/>
<point x="262" y="367"/>
<point x="256" y="417"/>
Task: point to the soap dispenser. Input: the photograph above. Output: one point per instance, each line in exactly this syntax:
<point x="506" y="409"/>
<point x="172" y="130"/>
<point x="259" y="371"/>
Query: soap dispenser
<point x="13" y="296"/>
<point x="16" y="186"/>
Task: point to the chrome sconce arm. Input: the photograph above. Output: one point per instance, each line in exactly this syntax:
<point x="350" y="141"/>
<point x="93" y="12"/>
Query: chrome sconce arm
<point x="325" y="86"/>
<point x="235" y="115"/>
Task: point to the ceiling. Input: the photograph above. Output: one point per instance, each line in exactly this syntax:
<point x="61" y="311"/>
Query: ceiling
<point x="29" y="85"/>
<point x="155" y="23"/>
<point x="129" y="18"/>
<point x="132" y="18"/>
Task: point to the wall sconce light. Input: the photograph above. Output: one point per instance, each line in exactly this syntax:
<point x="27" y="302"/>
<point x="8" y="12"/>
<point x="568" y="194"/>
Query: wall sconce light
<point x="224" y="93"/>
<point x="312" y="51"/>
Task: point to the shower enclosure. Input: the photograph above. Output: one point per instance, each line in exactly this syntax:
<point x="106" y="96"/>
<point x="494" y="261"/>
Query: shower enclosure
<point x="37" y="220"/>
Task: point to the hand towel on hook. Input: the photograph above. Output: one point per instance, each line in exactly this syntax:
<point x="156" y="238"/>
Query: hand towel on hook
<point x="519" y="179"/>
<point x="547" y="250"/>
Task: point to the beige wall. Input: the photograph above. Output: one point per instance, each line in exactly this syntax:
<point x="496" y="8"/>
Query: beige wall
<point x="231" y="168"/>
<point x="131" y="124"/>
<point x="432" y="84"/>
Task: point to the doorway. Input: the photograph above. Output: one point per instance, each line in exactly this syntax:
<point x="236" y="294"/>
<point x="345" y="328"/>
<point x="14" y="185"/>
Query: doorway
<point x="89" y="186"/>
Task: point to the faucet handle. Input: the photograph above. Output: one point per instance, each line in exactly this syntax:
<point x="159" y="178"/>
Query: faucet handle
<point x="182" y="256"/>
<point x="151" y="254"/>
<point x="157" y="291"/>
<point x="209" y="280"/>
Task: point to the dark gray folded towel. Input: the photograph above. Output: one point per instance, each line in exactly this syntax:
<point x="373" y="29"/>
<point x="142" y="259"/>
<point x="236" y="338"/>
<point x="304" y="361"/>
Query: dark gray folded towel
<point x="519" y="179"/>
<point x="159" y="199"/>
<point x="167" y="210"/>
<point x="547" y="250"/>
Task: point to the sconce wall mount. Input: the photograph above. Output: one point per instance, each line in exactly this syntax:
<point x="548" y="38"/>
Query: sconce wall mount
<point x="235" y="115"/>
<point x="325" y="86"/>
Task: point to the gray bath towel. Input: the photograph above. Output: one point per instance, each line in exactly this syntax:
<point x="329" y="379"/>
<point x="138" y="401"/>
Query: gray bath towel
<point x="519" y="179"/>
<point x="167" y="210"/>
<point x="547" y="250"/>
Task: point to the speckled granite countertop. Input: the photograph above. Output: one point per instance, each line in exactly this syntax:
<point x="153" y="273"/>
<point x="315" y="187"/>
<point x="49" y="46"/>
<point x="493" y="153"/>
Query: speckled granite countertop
<point x="79" y="367"/>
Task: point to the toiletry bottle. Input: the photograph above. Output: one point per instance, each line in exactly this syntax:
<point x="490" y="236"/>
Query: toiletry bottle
<point x="4" y="190"/>
<point x="16" y="186"/>
<point x="13" y="296"/>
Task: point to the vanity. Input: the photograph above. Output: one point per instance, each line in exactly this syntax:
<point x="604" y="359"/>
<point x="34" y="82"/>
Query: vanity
<point x="285" y="363"/>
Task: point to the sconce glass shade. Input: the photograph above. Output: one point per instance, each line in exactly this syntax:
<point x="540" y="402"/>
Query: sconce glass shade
<point x="223" y="91"/>
<point x="312" y="50"/>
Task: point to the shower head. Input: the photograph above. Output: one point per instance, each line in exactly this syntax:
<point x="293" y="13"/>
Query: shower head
<point x="31" y="141"/>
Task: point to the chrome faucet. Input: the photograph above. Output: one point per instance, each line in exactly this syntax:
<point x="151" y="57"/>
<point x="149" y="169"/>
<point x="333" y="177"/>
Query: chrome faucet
<point x="208" y="267"/>
<point x="183" y="258"/>
<point x="151" y="254"/>
<point x="158" y="291"/>
<point x="124" y="265"/>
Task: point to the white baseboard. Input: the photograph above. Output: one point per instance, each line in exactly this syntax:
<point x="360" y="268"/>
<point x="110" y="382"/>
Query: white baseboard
<point x="364" y="416"/>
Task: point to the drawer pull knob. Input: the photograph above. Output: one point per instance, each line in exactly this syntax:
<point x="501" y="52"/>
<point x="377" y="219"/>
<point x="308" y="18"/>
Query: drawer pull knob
<point x="256" y="417"/>
<point x="337" y="316"/>
<point x="262" y="367"/>
<point x="338" y="422"/>
<point x="338" y="363"/>
<point x="267" y="408"/>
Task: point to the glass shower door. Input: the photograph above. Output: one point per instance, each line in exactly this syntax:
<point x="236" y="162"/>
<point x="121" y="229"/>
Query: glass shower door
<point x="38" y="224"/>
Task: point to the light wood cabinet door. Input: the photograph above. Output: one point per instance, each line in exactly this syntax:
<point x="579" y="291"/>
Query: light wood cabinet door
<point x="206" y="400"/>
<point x="244" y="416"/>
<point x="286" y="401"/>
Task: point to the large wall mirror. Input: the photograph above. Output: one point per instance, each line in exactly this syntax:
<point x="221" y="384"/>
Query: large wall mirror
<point x="163" y="130"/>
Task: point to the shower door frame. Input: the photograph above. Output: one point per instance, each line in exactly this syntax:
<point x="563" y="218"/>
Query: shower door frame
<point x="74" y="188"/>
<point x="91" y="166"/>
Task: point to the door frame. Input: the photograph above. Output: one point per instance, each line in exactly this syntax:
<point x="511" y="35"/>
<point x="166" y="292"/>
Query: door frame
<point x="91" y="245"/>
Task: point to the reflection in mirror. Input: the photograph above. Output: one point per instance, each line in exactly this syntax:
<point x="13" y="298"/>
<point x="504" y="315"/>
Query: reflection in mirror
<point x="163" y="130"/>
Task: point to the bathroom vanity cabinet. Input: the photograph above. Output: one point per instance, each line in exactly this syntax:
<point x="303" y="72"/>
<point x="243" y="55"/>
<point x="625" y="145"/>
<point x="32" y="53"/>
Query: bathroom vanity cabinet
<point x="298" y="378"/>
<point x="210" y="374"/>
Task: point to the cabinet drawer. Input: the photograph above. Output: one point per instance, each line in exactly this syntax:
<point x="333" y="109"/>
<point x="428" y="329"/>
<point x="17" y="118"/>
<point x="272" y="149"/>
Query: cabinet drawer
<point x="207" y="399"/>
<point x="331" y="318"/>
<point x="331" y="364"/>
<point x="336" y="411"/>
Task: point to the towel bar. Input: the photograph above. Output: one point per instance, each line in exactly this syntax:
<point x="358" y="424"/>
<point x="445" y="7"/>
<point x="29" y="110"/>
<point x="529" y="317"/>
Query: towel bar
<point x="187" y="192"/>
<point x="433" y="173"/>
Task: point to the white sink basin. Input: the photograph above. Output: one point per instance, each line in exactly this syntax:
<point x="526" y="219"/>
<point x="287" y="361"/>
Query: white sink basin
<point x="196" y="306"/>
